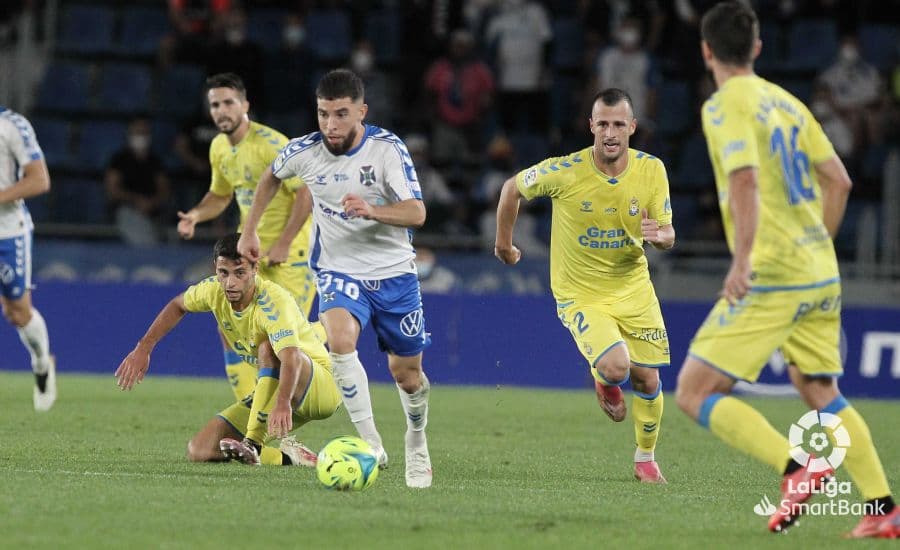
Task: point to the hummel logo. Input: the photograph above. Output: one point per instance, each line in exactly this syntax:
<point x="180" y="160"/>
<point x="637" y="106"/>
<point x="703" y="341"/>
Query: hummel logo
<point x="649" y="427"/>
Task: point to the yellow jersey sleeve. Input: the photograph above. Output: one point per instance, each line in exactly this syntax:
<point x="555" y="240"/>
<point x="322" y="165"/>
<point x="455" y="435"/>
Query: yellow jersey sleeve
<point x="730" y="133"/>
<point x="819" y="146"/>
<point x="660" y="209"/>
<point x="285" y="326"/>
<point x="199" y="297"/>
<point x="544" y="179"/>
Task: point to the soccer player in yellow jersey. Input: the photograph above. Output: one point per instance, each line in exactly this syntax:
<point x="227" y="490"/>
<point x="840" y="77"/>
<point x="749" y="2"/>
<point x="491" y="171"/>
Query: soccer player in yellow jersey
<point x="238" y="156"/>
<point x="262" y="322"/>
<point x="608" y="200"/>
<point x="782" y="192"/>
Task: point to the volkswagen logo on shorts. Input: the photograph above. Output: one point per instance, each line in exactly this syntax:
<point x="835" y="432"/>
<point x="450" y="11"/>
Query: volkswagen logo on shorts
<point x="374" y="286"/>
<point x="411" y="324"/>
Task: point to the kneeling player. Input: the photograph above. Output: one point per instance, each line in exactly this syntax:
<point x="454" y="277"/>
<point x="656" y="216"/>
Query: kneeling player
<point x="261" y="321"/>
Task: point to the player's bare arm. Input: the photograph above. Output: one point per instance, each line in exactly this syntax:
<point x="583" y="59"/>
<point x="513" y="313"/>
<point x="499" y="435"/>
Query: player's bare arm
<point x="660" y="236"/>
<point x="35" y="181"/>
<point x="300" y="211"/>
<point x="836" y="185"/>
<point x="296" y="369"/>
<point x="408" y="213"/>
<point x="743" y="202"/>
<point x="507" y="212"/>
<point x="209" y="207"/>
<point x="136" y="363"/>
<point x="268" y="185"/>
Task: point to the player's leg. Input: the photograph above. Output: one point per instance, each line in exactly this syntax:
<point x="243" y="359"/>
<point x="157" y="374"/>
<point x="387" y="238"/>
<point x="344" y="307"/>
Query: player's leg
<point x="32" y="331"/>
<point x="204" y="445"/>
<point x="646" y="410"/>
<point x="414" y="388"/>
<point x="241" y="374"/>
<point x="318" y="400"/>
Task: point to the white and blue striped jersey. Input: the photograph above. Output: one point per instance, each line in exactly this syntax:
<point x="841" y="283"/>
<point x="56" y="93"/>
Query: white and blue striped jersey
<point x="18" y="147"/>
<point x="380" y="171"/>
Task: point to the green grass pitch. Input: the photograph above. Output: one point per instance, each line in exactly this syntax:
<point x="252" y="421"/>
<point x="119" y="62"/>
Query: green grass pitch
<point x="514" y="468"/>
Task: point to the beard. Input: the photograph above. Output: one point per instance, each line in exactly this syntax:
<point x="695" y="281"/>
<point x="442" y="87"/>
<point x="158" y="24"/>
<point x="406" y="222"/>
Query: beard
<point x="231" y="125"/>
<point x="341" y="147"/>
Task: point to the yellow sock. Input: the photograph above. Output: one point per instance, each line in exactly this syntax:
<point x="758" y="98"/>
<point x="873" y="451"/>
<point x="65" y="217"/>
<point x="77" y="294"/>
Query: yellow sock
<point x="263" y="401"/>
<point x="862" y="460"/>
<point x="647" y="410"/>
<point x="271" y="456"/>
<point x="742" y="427"/>
<point x="319" y="329"/>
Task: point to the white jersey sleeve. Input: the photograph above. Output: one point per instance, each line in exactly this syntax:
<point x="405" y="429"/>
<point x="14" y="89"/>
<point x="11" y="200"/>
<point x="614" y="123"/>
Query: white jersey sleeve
<point x="18" y="147"/>
<point x="380" y="171"/>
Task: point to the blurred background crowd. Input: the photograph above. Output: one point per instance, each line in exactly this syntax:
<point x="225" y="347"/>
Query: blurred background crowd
<point x="477" y="88"/>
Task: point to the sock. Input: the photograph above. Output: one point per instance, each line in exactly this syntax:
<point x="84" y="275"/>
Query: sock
<point x="742" y="427"/>
<point x="353" y="383"/>
<point x="646" y="410"/>
<point x="881" y="506"/>
<point x="263" y="400"/>
<point x="37" y="342"/>
<point x="862" y="460"/>
<point x="272" y="457"/>
<point x="415" y="405"/>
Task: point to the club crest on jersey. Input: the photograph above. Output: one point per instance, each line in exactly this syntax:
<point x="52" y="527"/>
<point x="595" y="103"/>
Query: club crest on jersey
<point x="367" y="175"/>
<point x="633" y="208"/>
<point x="530" y="177"/>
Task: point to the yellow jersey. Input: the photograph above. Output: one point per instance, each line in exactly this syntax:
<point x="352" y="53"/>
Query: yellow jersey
<point x="272" y="314"/>
<point x="750" y="122"/>
<point x="596" y="247"/>
<point x="237" y="169"/>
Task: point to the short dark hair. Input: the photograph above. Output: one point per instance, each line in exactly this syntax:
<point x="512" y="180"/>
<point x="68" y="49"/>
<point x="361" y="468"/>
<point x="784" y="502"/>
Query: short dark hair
<point x="226" y="247"/>
<point x="731" y="29"/>
<point x="612" y="96"/>
<point x="340" y="83"/>
<point x="226" y="80"/>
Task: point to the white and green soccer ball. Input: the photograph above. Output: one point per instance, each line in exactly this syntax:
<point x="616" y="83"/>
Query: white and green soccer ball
<point x="347" y="463"/>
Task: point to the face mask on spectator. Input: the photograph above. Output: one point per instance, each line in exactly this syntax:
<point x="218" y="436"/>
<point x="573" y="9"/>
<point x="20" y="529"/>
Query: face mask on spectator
<point x="234" y="36"/>
<point x="139" y="143"/>
<point x="628" y="37"/>
<point x="362" y="61"/>
<point x="849" y="53"/>
<point x="821" y="109"/>
<point x="294" y="35"/>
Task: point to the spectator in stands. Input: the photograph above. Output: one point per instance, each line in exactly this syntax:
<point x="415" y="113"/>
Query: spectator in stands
<point x="193" y="22"/>
<point x="232" y="52"/>
<point x="433" y="277"/>
<point x="379" y="91"/>
<point x="461" y="88"/>
<point x="519" y="36"/>
<point x="289" y="89"/>
<point x="137" y="187"/>
<point x="439" y="200"/>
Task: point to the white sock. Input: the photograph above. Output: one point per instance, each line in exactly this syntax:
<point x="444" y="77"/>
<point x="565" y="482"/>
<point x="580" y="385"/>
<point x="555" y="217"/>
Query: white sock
<point x="353" y="383"/>
<point x="37" y="342"/>
<point x="643" y="456"/>
<point x="415" y="405"/>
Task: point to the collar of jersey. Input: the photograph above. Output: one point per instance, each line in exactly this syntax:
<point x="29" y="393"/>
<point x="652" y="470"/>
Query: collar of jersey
<point x="611" y="180"/>
<point x="366" y="134"/>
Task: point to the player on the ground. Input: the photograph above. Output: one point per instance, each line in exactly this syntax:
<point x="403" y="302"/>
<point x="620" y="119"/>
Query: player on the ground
<point x="262" y="322"/>
<point x="366" y="202"/>
<point x="608" y="200"/>
<point x="237" y="158"/>
<point x="23" y="174"/>
<point x="782" y="192"/>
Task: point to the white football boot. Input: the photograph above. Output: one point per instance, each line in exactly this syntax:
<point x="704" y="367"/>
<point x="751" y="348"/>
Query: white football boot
<point x="44" y="394"/>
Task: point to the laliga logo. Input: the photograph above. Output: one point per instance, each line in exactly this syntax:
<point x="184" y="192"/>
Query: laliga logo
<point x="809" y="439"/>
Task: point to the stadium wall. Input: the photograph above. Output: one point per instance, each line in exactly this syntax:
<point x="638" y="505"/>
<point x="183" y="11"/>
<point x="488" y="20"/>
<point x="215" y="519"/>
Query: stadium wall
<point x="486" y="339"/>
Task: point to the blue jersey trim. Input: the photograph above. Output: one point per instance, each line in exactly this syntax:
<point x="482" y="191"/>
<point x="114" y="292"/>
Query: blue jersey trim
<point x="316" y="249"/>
<point x="838" y="404"/>
<point x="369" y="131"/>
<point x="650" y="365"/>
<point x="270" y="373"/>
<point x="232" y="357"/>
<point x="312" y="375"/>
<point x="776" y="288"/>
<point x="299" y="264"/>
<point x="604" y="352"/>
<point x="706" y="408"/>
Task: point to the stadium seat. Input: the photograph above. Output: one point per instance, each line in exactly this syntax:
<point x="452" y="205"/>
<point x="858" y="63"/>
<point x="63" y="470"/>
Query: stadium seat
<point x="180" y="92"/>
<point x="684" y="212"/>
<point x="676" y="113"/>
<point x="142" y="29"/>
<point x="384" y="29"/>
<point x="694" y="169"/>
<point x="54" y="136"/>
<point x="563" y="99"/>
<point x="801" y="88"/>
<point x="78" y="200"/>
<point x="264" y="27"/>
<point x="65" y="87"/>
<point x="530" y="148"/>
<point x="97" y="143"/>
<point x="163" y="134"/>
<point x="772" y="55"/>
<point x="86" y="30"/>
<point x="125" y="87"/>
<point x="329" y="34"/>
<point x="812" y="44"/>
<point x="879" y="44"/>
<point x="568" y="43"/>
<point x="39" y="207"/>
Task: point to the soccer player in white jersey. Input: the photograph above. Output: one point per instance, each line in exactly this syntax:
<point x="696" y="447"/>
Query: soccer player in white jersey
<point x="23" y="174"/>
<point x="366" y="200"/>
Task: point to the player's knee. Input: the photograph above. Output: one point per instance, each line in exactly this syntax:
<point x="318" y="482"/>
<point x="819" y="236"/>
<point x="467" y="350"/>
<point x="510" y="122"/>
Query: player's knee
<point x="17" y="316"/>
<point x="409" y="381"/>
<point x="687" y="399"/>
<point x="195" y="454"/>
<point x="613" y="371"/>
<point x="647" y="384"/>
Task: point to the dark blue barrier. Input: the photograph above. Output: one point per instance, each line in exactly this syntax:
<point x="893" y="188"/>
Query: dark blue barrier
<point x="477" y="339"/>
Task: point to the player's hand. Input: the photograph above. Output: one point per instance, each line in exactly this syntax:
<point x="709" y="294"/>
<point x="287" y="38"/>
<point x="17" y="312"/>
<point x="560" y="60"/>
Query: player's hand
<point x="133" y="368"/>
<point x="248" y="246"/>
<point x="510" y="255"/>
<point x="649" y="228"/>
<point x="355" y="207"/>
<point x="280" y="420"/>
<point x="737" y="282"/>
<point x="186" y="225"/>
<point x="278" y="254"/>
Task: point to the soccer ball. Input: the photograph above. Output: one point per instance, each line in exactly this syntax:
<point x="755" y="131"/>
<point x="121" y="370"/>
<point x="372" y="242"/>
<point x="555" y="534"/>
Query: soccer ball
<point x="347" y="463"/>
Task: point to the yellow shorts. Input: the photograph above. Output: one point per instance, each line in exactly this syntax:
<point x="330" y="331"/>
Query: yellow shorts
<point x="637" y="322"/>
<point x="805" y="323"/>
<point x="242" y="377"/>
<point x="296" y="277"/>
<point x="319" y="401"/>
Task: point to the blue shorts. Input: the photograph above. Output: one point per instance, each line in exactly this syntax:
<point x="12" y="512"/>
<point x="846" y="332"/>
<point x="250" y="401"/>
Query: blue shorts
<point x="393" y="305"/>
<point x="15" y="266"/>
